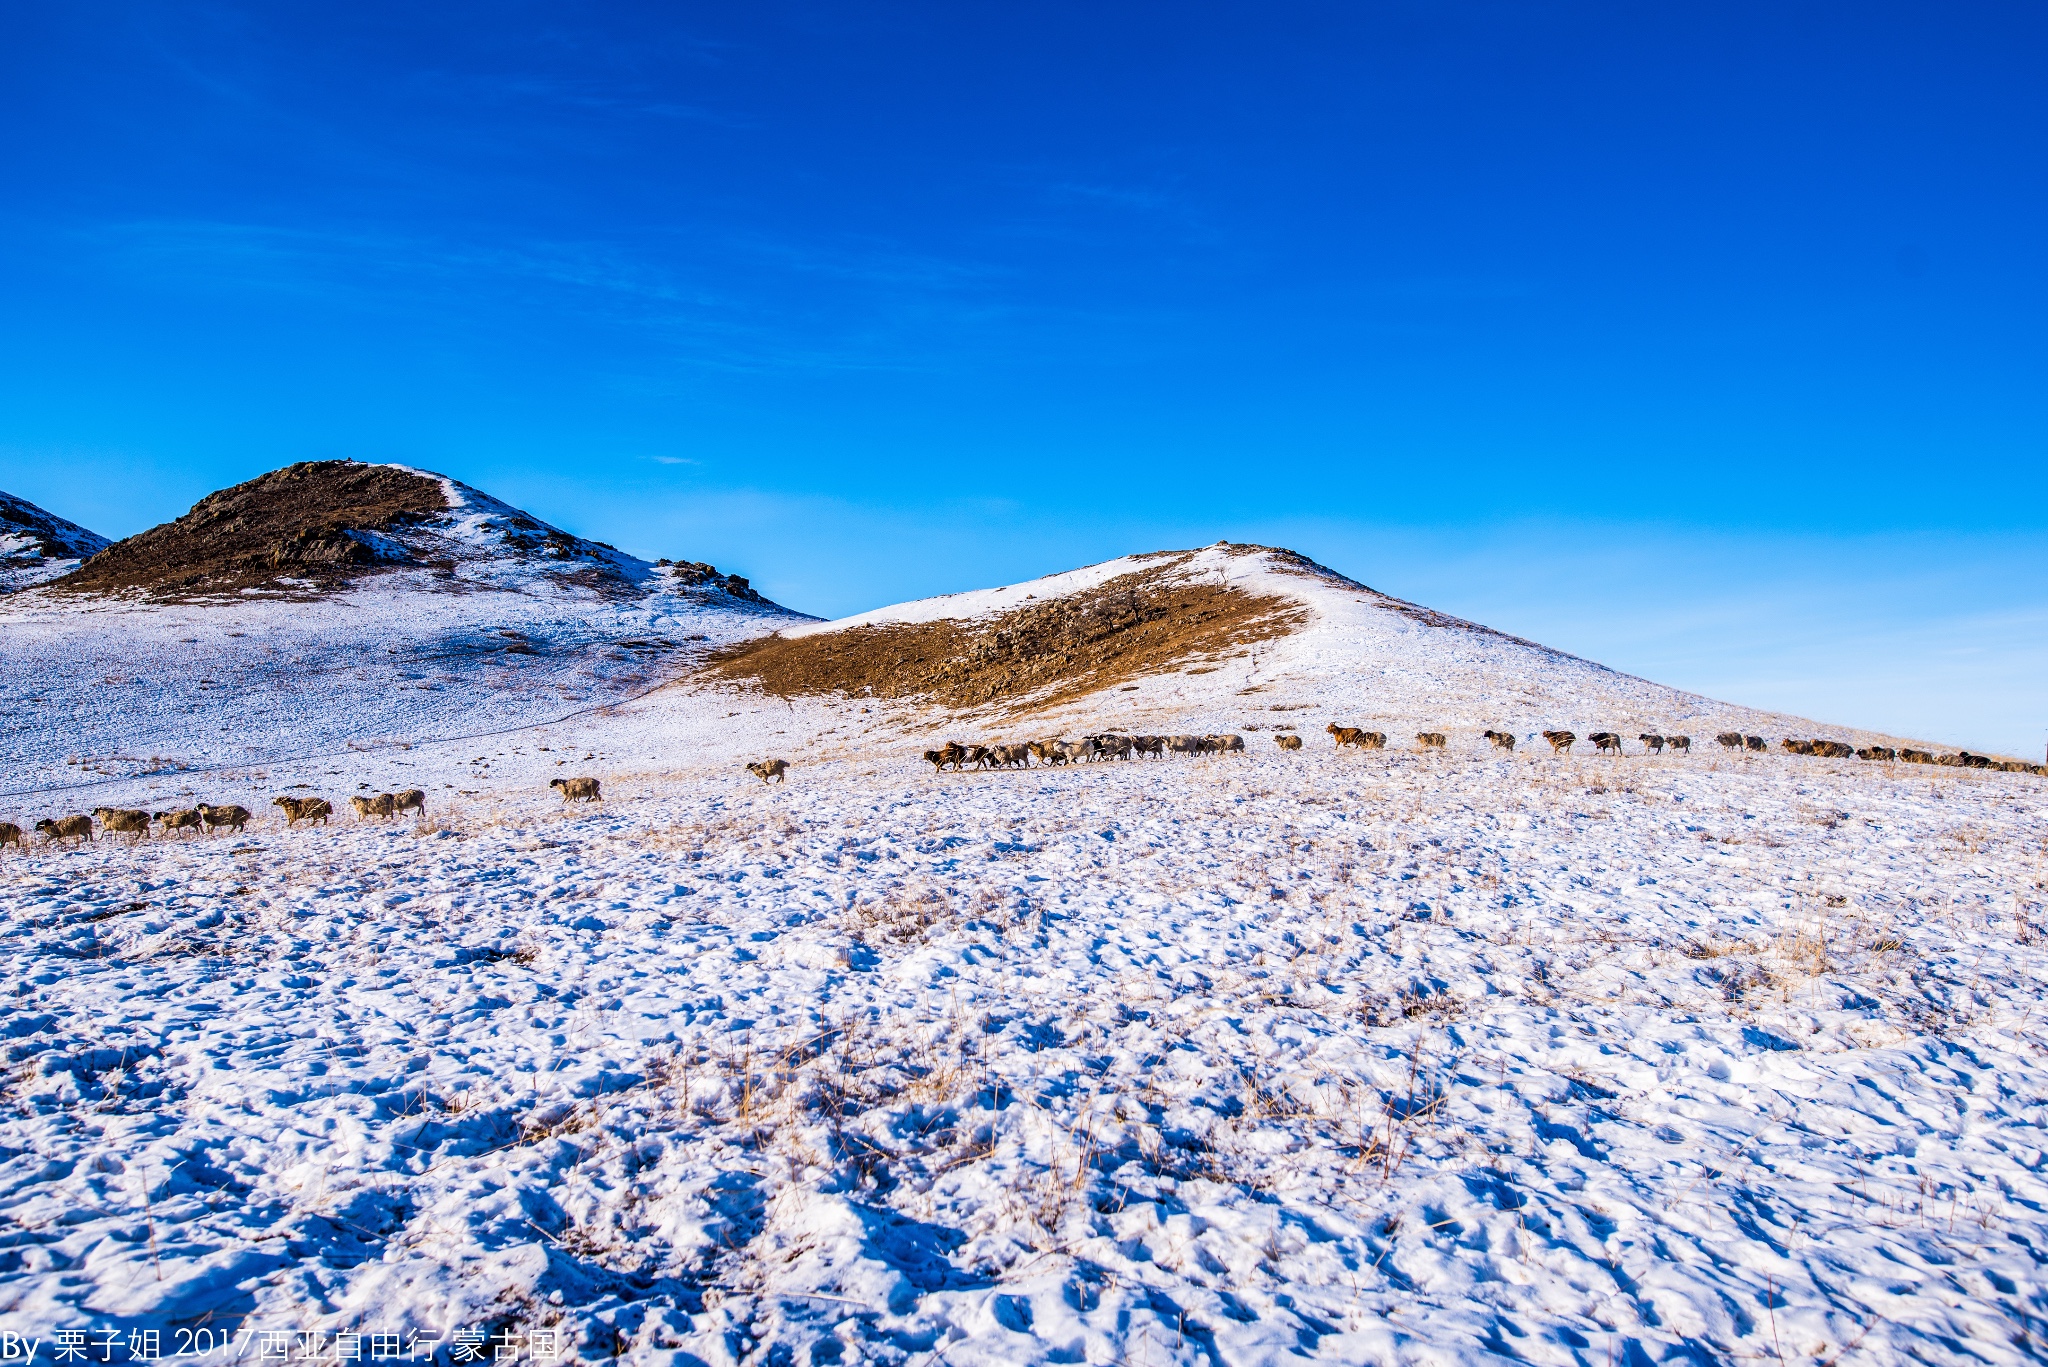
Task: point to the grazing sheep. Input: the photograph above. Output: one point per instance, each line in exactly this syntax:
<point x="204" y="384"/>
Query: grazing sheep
<point x="1910" y="756"/>
<point x="576" y="790"/>
<point x="1351" y="735"/>
<point x="124" y="819"/>
<point x="234" y="818"/>
<point x="1681" y="743"/>
<point x="1111" y="746"/>
<point x="1883" y="752"/>
<point x="77" y="828"/>
<point x="1561" y="742"/>
<point x="1651" y="742"/>
<point x="1184" y="745"/>
<point x="10" y="834"/>
<point x="186" y="820"/>
<point x="314" y="810"/>
<point x="769" y="770"/>
<point x="382" y="805"/>
<point x="1232" y="744"/>
<point x="1603" y="741"/>
<point x="411" y="800"/>
<point x="1288" y="742"/>
<point x="1970" y="761"/>
<point x="1796" y="747"/>
<point x="1730" y="740"/>
<point x="1430" y="740"/>
<point x="1502" y="740"/>
<point x="1754" y="743"/>
<point x="1833" y="749"/>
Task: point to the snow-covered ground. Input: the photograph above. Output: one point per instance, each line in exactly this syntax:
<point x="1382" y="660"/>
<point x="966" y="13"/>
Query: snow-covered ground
<point x="1262" y="1058"/>
<point x="1357" y="1058"/>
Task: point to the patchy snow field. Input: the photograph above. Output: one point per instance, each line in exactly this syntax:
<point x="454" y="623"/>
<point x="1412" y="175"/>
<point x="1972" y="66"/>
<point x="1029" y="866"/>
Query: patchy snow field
<point x="1357" y="1059"/>
<point x="1260" y="1058"/>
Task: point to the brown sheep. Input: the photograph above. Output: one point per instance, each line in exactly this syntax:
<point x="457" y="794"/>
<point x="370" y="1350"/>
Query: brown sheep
<point x="1502" y="740"/>
<point x="1430" y="740"/>
<point x="1833" y="749"/>
<point x="1603" y="741"/>
<point x="234" y="818"/>
<point x="124" y="819"/>
<point x="313" y="810"/>
<point x="1796" y="747"/>
<point x="10" y="834"/>
<point x="952" y="752"/>
<point x="1154" y="746"/>
<point x="382" y="805"/>
<point x="1288" y="742"/>
<point x="1226" y="745"/>
<point x="1880" y="752"/>
<point x="769" y="770"/>
<point x="186" y="820"/>
<point x="1351" y="735"/>
<point x="1730" y="740"/>
<point x="576" y="790"/>
<point x="1910" y="756"/>
<point x="1754" y="743"/>
<point x="1680" y="743"/>
<point x="1652" y="742"/>
<point x="77" y="828"/>
<point x="1561" y="742"/>
<point x="411" y="800"/>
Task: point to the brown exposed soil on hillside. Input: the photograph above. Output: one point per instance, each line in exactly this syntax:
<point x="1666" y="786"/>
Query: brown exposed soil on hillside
<point x="1048" y="653"/>
<point x="292" y="523"/>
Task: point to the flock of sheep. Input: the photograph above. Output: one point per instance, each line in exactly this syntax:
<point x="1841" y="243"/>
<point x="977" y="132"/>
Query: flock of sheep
<point x="1106" y="746"/>
<point x="1018" y="755"/>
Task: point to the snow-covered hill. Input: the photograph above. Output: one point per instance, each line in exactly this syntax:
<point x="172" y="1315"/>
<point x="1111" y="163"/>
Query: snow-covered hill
<point x="248" y="632"/>
<point x="38" y="546"/>
<point x="1221" y="639"/>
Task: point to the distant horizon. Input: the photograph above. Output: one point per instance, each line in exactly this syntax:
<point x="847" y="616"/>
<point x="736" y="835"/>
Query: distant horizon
<point x="1704" y="344"/>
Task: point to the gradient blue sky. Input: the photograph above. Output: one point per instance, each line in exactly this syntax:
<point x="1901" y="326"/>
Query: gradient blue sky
<point x="1706" y="341"/>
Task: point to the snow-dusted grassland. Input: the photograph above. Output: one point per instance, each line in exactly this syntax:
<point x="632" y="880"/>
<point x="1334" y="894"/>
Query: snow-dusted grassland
<point x="1259" y="1058"/>
<point x="1358" y="1059"/>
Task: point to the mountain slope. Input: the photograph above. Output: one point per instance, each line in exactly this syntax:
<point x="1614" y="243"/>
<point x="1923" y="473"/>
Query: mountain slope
<point x="1219" y="638"/>
<point x="37" y="546"/>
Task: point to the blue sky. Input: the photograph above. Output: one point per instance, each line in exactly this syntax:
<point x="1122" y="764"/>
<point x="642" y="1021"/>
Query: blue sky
<point x="1704" y="341"/>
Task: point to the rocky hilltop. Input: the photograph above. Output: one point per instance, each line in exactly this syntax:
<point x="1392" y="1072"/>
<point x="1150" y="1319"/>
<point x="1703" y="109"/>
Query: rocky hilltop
<point x="37" y="546"/>
<point x="316" y="527"/>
